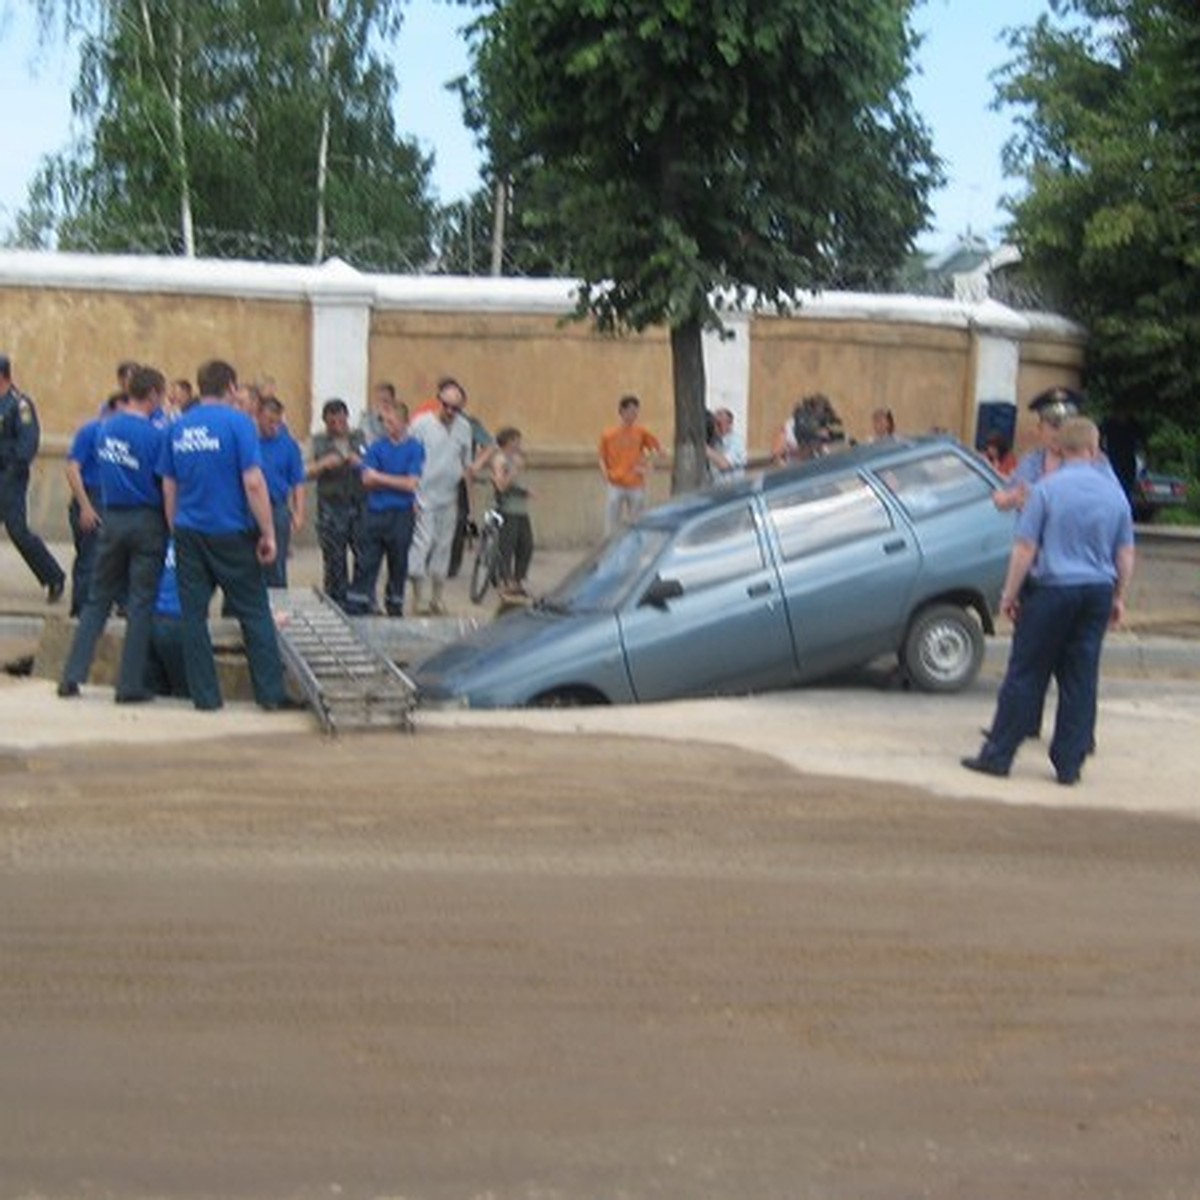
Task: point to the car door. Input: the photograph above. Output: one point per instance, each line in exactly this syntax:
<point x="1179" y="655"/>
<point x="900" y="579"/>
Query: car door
<point x="964" y="540"/>
<point x="713" y="621"/>
<point x="847" y="565"/>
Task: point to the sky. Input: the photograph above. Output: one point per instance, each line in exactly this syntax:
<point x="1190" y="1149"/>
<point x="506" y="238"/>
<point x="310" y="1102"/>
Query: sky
<point x="953" y="92"/>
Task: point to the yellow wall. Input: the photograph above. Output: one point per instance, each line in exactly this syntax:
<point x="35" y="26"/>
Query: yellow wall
<point x="558" y="382"/>
<point x="65" y="344"/>
<point x="1044" y="364"/>
<point x="920" y="372"/>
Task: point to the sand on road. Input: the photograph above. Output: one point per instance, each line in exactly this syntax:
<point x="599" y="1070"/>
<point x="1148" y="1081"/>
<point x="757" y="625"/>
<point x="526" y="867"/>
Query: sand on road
<point x="515" y="964"/>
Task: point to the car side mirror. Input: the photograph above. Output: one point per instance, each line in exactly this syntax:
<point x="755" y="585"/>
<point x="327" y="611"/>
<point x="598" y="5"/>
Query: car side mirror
<point x="660" y="591"/>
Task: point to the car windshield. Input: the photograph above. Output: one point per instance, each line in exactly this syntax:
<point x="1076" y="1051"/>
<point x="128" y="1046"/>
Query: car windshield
<point x="604" y="579"/>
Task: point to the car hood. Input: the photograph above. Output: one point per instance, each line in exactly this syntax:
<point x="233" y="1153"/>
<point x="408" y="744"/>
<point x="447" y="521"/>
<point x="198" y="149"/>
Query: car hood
<point x="501" y="661"/>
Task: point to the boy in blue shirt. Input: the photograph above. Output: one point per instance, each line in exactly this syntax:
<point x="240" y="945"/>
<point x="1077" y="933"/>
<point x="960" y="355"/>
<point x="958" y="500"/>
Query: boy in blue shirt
<point x="133" y="539"/>
<point x="391" y="472"/>
<point x="283" y="466"/>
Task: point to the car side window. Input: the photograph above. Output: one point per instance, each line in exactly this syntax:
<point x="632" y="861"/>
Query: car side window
<point x="720" y="548"/>
<point x="825" y="513"/>
<point x="935" y="484"/>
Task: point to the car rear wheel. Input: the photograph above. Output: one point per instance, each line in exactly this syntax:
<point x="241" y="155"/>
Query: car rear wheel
<point x="943" y="650"/>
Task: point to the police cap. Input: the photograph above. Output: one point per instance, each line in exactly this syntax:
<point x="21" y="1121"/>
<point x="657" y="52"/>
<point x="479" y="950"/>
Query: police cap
<point x="1056" y="404"/>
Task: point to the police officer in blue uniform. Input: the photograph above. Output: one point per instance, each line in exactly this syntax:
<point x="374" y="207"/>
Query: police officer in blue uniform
<point x="1067" y="579"/>
<point x="19" y="437"/>
<point x="133" y="540"/>
<point x="220" y="512"/>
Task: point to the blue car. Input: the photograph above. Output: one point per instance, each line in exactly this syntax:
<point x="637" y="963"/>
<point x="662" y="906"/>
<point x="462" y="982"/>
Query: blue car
<point x="765" y="582"/>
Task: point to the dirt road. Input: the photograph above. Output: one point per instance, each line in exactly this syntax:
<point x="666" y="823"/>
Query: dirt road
<point x="585" y="967"/>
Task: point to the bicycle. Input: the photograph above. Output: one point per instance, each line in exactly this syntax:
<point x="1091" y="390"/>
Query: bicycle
<point x="485" y="573"/>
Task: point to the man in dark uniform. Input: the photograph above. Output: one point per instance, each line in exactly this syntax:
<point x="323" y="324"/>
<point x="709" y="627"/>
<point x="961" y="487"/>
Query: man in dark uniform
<point x="19" y="436"/>
<point x="1068" y="576"/>
<point x="336" y="466"/>
<point x="133" y="539"/>
<point x="220" y="512"/>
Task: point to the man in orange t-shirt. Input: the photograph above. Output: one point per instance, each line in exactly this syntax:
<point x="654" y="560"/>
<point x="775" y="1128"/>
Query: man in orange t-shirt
<point x="627" y="452"/>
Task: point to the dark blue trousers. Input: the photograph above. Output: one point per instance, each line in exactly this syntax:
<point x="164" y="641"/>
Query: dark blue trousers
<point x="86" y="543"/>
<point x="129" y="561"/>
<point x="204" y="562"/>
<point x="1059" y="632"/>
<point x="276" y="573"/>
<point x="14" y="492"/>
<point x="337" y="535"/>
<point x="385" y="536"/>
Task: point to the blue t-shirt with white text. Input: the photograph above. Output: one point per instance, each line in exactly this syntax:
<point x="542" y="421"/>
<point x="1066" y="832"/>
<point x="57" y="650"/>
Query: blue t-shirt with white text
<point x="128" y="452"/>
<point x="206" y="452"/>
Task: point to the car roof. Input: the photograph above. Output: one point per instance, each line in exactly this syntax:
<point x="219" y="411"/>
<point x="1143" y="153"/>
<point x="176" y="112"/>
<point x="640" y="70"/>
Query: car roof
<point x="871" y="455"/>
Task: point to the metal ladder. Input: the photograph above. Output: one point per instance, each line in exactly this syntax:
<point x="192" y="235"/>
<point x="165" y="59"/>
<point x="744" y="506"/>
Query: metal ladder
<point x="348" y="683"/>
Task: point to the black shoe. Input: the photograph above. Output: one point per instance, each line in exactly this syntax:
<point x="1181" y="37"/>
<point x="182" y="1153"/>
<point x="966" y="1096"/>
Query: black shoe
<point x="1067" y="778"/>
<point x="984" y="767"/>
<point x="133" y="697"/>
<point x="68" y="690"/>
<point x="283" y="704"/>
<point x="54" y="591"/>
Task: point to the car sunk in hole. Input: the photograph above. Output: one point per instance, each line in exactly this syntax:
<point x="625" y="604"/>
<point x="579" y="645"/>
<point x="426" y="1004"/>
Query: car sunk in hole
<point x="774" y="580"/>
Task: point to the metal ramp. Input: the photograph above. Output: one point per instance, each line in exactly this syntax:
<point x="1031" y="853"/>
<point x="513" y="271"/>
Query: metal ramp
<point x="348" y="683"/>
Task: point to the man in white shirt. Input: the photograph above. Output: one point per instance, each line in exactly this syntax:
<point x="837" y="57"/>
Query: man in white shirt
<point x="727" y="453"/>
<point x="446" y="435"/>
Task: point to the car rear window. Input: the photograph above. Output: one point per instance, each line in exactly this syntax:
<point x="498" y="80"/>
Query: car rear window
<point x="826" y="513"/>
<point x="934" y="484"/>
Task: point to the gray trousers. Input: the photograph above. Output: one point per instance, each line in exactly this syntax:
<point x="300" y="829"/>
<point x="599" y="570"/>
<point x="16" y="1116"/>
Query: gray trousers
<point x="129" y="562"/>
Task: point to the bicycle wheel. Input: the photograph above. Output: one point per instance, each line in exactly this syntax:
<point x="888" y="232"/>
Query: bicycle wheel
<point x="483" y="572"/>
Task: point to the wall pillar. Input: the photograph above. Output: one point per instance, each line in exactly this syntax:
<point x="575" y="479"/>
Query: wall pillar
<point x="727" y="368"/>
<point x="341" y="300"/>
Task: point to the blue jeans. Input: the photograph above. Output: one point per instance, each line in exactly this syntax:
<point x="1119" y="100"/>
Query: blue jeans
<point x="1059" y="632"/>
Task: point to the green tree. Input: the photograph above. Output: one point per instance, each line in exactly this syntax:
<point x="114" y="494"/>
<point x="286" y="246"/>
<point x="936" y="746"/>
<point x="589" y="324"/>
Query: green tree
<point x="673" y="151"/>
<point x="255" y="128"/>
<point x="1108" y="145"/>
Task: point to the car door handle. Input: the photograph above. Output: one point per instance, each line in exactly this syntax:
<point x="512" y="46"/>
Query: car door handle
<point x="759" y="589"/>
<point x="894" y="547"/>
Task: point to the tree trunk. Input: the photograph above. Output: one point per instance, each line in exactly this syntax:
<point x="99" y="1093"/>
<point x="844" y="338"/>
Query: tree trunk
<point x="687" y="368"/>
<point x="186" y="223"/>
<point x="325" y="35"/>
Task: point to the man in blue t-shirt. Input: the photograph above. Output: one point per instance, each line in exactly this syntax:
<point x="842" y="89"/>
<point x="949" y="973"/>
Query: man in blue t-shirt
<point x="1067" y="579"/>
<point x="220" y="513"/>
<point x="133" y="537"/>
<point x="83" y="512"/>
<point x="391" y="473"/>
<point x="283" y="467"/>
